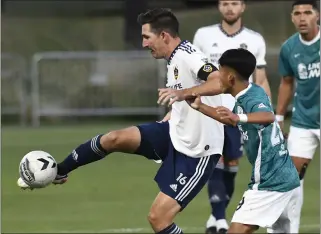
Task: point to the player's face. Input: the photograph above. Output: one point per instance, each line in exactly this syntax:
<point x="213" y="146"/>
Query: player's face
<point x="154" y="42"/>
<point x="231" y="10"/>
<point x="304" y="18"/>
<point x="227" y="78"/>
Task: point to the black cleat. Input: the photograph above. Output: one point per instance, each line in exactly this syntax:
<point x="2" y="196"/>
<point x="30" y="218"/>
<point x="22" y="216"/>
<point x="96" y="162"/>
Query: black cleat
<point x="222" y="231"/>
<point x="211" y="230"/>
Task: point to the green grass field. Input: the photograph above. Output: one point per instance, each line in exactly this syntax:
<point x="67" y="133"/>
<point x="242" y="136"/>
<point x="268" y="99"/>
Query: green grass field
<point x="113" y="195"/>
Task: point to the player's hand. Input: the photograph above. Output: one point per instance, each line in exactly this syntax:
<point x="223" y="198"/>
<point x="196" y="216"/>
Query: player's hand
<point x="225" y="113"/>
<point x="195" y="102"/>
<point x="169" y="96"/>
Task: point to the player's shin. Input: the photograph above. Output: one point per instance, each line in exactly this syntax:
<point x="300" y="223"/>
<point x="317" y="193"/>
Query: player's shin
<point x="86" y="153"/>
<point x="229" y="182"/>
<point x="217" y="195"/>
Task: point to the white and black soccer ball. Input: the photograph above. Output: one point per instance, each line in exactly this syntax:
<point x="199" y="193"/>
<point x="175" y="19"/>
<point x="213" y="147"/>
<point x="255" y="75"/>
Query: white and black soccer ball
<point x="38" y="169"/>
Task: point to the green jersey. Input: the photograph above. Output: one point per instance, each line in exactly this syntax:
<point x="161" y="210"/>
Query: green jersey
<point x="301" y="60"/>
<point x="273" y="169"/>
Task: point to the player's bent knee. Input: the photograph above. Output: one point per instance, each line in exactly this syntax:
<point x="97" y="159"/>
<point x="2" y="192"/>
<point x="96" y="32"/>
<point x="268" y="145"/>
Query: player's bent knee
<point x="125" y="140"/>
<point x="163" y="212"/>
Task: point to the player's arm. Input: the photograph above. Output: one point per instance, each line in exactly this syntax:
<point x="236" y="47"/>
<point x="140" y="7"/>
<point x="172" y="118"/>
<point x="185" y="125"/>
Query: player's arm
<point x="261" y="113"/>
<point x="212" y="86"/>
<point x="260" y="72"/>
<point x="286" y="86"/>
<point x="211" y="112"/>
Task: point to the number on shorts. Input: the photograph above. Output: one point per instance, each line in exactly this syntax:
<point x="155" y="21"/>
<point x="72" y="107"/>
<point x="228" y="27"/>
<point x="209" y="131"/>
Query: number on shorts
<point x="240" y="204"/>
<point x="181" y="179"/>
<point x="276" y="135"/>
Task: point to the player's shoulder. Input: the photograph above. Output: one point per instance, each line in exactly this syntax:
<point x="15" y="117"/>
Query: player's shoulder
<point x="186" y="50"/>
<point x="252" y="34"/>
<point x="253" y="91"/>
<point x="209" y="29"/>
<point x="291" y="42"/>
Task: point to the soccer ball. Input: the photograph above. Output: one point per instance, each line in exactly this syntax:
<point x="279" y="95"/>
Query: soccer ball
<point x="38" y="169"/>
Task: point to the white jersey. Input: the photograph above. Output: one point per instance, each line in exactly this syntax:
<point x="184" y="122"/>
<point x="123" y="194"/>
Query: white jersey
<point x="214" y="41"/>
<point x="192" y="133"/>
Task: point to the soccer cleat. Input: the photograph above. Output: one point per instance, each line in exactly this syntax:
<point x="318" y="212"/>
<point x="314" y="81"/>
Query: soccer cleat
<point x="60" y="179"/>
<point x="222" y="231"/>
<point x="23" y="185"/>
<point x="211" y="230"/>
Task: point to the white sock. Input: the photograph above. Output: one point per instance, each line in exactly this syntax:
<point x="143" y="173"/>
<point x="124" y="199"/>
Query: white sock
<point x="221" y="223"/>
<point x="211" y="222"/>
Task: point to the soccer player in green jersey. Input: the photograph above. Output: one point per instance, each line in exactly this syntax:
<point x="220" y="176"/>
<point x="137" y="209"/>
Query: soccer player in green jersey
<point x="299" y="62"/>
<point x="272" y="193"/>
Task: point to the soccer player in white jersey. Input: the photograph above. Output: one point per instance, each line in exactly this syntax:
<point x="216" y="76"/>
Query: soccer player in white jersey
<point x="189" y="144"/>
<point x="299" y="66"/>
<point x="213" y="41"/>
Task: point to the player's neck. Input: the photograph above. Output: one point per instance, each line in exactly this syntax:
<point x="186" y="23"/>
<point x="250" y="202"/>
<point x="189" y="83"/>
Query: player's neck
<point x="172" y="46"/>
<point x="239" y="88"/>
<point x="231" y="29"/>
<point x="310" y="36"/>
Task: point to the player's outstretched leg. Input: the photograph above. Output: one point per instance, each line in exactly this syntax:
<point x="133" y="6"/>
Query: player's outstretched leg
<point x="126" y="140"/>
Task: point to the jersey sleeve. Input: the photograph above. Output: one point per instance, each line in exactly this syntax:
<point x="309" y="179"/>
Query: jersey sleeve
<point x="198" y="64"/>
<point x="260" y="58"/>
<point x="284" y="65"/>
<point x="197" y="40"/>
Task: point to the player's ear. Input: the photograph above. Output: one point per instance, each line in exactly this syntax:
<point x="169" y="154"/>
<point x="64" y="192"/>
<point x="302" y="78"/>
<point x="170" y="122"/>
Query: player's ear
<point x="243" y="6"/>
<point x="231" y="79"/>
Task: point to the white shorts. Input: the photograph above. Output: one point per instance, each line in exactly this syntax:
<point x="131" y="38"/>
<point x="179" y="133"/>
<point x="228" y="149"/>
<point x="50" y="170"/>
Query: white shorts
<point x="269" y="209"/>
<point x="303" y="142"/>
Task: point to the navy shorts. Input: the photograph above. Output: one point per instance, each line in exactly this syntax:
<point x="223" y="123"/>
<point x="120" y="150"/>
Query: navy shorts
<point x="180" y="177"/>
<point x="233" y="148"/>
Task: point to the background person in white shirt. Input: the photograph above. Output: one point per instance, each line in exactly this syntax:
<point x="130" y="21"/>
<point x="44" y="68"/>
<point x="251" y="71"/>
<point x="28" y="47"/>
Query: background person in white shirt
<point x="214" y="40"/>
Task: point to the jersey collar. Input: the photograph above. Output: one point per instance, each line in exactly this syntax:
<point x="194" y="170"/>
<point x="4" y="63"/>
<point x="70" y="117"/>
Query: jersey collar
<point x="230" y="35"/>
<point x="175" y="50"/>
<point x="243" y="91"/>
<point x="317" y="37"/>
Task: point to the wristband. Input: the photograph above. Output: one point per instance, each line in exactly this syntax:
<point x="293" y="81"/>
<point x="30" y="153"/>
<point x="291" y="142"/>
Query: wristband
<point x="279" y="118"/>
<point x="243" y="118"/>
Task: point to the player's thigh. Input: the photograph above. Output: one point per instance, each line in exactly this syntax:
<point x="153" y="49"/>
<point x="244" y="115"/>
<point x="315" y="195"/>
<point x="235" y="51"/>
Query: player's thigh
<point x="155" y="140"/>
<point x="302" y="143"/>
<point x="261" y="208"/>
<point x="288" y="222"/>
<point x="242" y="228"/>
<point x="182" y="177"/>
<point x="233" y="149"/>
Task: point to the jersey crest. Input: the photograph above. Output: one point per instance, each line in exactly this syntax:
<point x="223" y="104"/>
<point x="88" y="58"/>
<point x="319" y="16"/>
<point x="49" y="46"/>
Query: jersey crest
<point x="176" y="72"/>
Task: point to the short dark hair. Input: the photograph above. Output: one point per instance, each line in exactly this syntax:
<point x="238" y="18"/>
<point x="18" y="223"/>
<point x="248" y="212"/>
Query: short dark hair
<point x="241" y="60"/>
<point x="306" y="2"/>
<point x="160" y="19"/>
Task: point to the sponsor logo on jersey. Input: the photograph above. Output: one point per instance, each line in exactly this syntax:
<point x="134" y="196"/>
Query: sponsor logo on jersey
<point x="310" y="71"/>
<point x="176" y="73"/>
